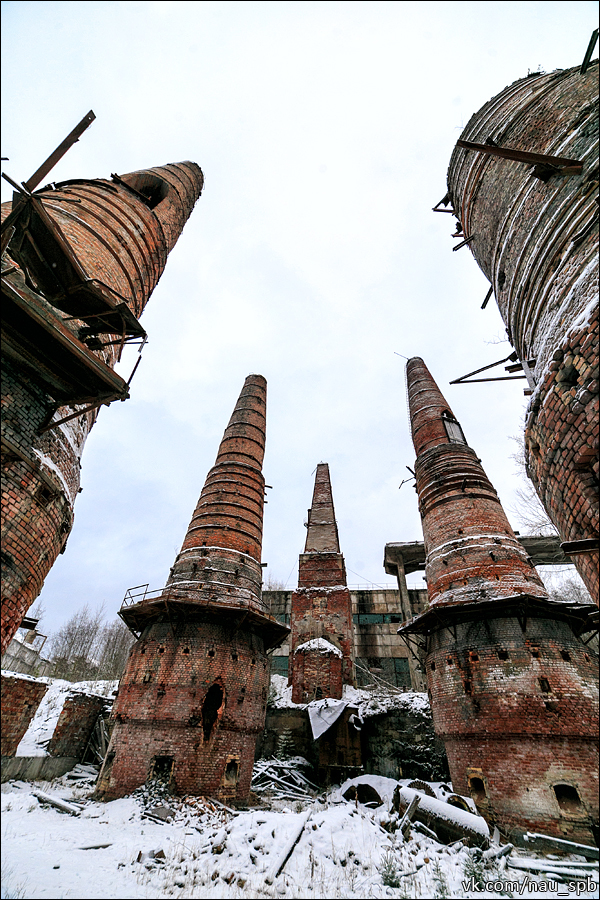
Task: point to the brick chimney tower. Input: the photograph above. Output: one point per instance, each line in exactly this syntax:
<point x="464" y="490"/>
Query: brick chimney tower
<point x="523" y="182"/>
<point x="83" y="258"/>
<point x="513" y="687"/>
<point x="193" y="698"/>
<point x="322" y="645"/>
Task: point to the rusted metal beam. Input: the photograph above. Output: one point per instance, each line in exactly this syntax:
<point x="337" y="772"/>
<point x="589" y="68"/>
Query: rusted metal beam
<point x="588" y="52"/>
<point x="104" y="402"/>
<point x="60" y="151"/>
<point x="522" y="155"/>
<point x="462" y="243"/>
<point x="487" y="297"/>
<point x="512" y="358"/>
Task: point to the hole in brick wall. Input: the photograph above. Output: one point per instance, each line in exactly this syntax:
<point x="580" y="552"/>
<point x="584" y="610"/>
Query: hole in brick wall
<point x="474" y="656"/>
<point x="147" y="677"/>
<point x="502" y="654"/>
<point x="232" y="772"/>
<point x="565" y="655"/>
<point x="468" y="686"/>
<point x="253" y="662"/>
<point x="210" y="709"/>
<point x="535" y="653"/>
<point x="162" y="768"/>
<point x="449" y="660"/>
<point x="143" y="650"/>
<point x="586" y="657"/>
<point x="161" y="649"/>
<point x="186" y="650"/>
<point x="433" y="667"/>
<point x="544" y="685"/>
<point x="319" y="693"/>
<point x="211" y="653"/>
<point x="567" y="797"/>
<point x="44" y="496"/>
<point x="234" y="657"/>
<point x="477" y="789"/>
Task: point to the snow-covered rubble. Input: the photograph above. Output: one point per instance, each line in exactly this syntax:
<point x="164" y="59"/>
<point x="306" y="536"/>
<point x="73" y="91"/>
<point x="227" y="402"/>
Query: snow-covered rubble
<point x="41" y="728"/>
<point x="336" y="849"/>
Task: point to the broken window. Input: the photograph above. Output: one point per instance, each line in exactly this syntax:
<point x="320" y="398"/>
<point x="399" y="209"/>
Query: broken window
<point x="453" y="429"/>
<point x="568" y="799"/>
<point x="210" y="709"/>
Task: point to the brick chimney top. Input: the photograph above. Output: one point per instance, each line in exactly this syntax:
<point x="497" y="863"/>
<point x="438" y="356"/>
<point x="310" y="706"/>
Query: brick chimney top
<point x="432" y="420"/>
<point x="322" y="535"/>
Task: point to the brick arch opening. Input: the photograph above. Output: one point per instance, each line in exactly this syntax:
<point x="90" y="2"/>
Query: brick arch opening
<point x="213" y="702"/>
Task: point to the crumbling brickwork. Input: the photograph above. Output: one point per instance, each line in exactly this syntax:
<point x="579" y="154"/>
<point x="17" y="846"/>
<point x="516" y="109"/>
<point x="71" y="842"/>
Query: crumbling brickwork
<point x="75" y="725"/>
<point x="192" y="700"/>
<point x="20" y="700"/>
<point x="83" y="261"/>
<point x="534" y="232"/>
<point x="508" y="673"/>
<point x="322" y="640"/>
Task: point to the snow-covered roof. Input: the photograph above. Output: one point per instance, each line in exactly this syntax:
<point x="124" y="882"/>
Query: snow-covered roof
<point x="319" y="645"/>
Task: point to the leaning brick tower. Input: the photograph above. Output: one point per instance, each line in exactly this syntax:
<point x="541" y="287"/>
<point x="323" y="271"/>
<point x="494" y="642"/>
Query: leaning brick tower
<point x="513" y="687"/>
<point x="193" y="697"/>
<point x="82" y="259"/>
<point x="322" y="644"/>
<point x="523" y="182"/>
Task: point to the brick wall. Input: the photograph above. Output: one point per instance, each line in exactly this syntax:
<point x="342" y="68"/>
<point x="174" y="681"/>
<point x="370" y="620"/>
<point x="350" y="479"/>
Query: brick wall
<point x="536" y="688"/>
<point x="75" y="725"/>
<point x="122" y="242"/>
<point x="20" y="700"/>
<point x="163" y="709"/>
<point x="317" y="674"/>
<point x="537" y="242"/>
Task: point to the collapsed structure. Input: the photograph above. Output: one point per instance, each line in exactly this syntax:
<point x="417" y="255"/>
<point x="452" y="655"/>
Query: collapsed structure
<point x="512" y="685"/>
<point x="193" y="698"/>
<point x="523" y="182"/>
<point x="82" y="259"/>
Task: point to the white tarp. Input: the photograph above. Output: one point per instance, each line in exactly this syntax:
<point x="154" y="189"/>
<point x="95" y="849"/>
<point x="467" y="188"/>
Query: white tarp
<point x="323" y="714"/>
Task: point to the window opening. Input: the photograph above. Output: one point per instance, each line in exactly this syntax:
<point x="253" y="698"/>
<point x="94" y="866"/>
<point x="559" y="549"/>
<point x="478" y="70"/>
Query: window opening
<point x="502" y="654"/>
<point x="477" y="788"/>
<point x="453" y="429"/>
<point x="568" y="799"/>
<point x="210" y="709"/>
<point x="544" y="685"/>
<point x="232" y="771"/>
<point x="565" y="655"/>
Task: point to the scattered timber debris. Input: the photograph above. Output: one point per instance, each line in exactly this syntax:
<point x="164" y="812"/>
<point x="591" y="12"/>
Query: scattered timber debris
<point x="281" y="780"/>
<point x="62" y="805"/>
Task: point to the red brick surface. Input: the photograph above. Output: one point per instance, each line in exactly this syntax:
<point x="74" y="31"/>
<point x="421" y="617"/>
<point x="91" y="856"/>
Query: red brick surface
<point x="20" y="700"/>
<point x="321" y="606"/>
<point x="537" y="242"/>
<point x="122" y="242"/>
<point x="514" y="699"/>
<point x="207" y="632"/>
<point x="75" y="725"/>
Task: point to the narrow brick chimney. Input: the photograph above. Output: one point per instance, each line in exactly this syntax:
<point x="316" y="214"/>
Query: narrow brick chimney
<point x="513" y="687"/>
<point x="193" y="698"/>
<point x="322" y="647"/>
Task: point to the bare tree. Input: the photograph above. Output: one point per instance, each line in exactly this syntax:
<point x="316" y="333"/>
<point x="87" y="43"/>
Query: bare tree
<point x="74" y="645"/>
<point x="273" y="584"/>
<point x="528" y="508"/>
<point x="115" y="643"/>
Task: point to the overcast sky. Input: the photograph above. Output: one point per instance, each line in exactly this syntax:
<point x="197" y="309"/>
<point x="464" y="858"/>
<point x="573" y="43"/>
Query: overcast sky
<point x="324" y="131"/>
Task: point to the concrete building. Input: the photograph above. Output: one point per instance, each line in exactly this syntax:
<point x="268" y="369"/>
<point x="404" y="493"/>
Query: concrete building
<point x="192" y="700"/>
<point x="513" y="687"/>
<point x="523" y="183"/>
<point x="80" y="261"/>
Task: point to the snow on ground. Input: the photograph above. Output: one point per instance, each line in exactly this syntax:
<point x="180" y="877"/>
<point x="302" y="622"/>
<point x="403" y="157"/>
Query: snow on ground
<point x="41" y="728"/>
<point x="343" y="851"/>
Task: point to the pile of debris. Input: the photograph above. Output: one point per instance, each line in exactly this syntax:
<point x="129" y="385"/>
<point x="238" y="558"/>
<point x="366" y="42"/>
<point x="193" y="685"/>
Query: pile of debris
<point x="281" y="779"/>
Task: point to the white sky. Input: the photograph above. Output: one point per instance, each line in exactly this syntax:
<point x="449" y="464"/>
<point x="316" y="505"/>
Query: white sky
<point x="324" y="130"/>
